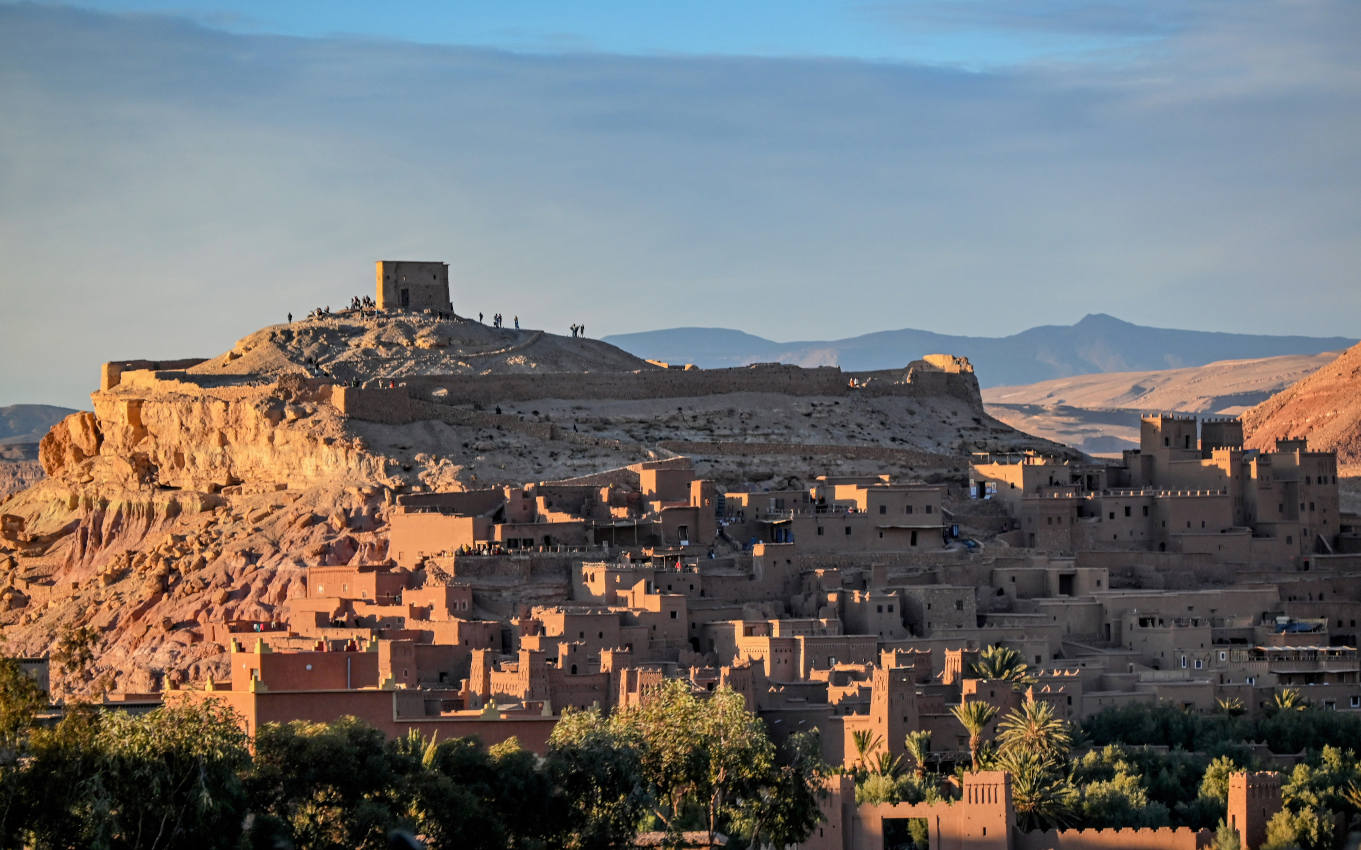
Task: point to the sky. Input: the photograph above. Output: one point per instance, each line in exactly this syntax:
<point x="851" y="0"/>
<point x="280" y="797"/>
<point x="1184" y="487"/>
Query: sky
<point x="176" y="175"/>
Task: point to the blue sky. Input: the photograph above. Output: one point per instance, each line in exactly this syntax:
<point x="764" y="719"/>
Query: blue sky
<point x="174" y="176"/>
<point x="962" y="33"/>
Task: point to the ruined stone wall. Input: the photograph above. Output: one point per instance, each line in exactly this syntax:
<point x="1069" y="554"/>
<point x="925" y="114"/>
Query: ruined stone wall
<point x="110" y="375"/>
<point x="670" y="383"/>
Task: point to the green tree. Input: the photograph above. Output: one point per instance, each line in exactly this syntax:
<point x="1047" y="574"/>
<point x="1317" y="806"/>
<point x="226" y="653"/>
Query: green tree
<point x="167" y="779"/>
<point x="784" y="810"/>
<point x="20" y="701"/>
<point x="1229" y="705"/>
<point x="74" y="651"/>
<point x="598" y="772"/>
<point x="1289" y="699"/>
<point x="520" y="786"/>
<point x="1035" y="727"/>
<point x="1226" y="837"/>
<point x="876" y="788"/>
<point x="1305" y="829"/>
<point x="710" y="757"/>
<point x="1041" y="795"/>
<point x="456" y="800"/>
<point x="865" y="743"/>
<point x="1121" y="801"/>
<point x="327" y="785"/>
<point x="1215" y="784"/>
<point x="974" y="716"/>
<point x="1001" y="663"/>
<point x="918" y="746"/>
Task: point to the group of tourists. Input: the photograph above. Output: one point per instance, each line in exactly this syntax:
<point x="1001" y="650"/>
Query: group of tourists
<point x="357" y="302"/>
<point x="578" y="331"/>
<point x="497" y="320"/>
<point x="482" y="549"/>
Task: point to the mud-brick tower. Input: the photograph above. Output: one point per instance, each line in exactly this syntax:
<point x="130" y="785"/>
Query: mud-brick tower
<point x="1254" y="797"/>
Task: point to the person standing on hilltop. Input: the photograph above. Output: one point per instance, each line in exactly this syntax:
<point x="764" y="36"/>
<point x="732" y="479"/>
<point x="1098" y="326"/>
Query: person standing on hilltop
<point x="517" y="323"/>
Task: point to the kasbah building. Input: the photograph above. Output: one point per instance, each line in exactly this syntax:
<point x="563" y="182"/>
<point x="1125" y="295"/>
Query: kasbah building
<point x="853" y="605"/>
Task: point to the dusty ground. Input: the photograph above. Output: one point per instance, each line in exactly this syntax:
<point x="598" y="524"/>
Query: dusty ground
<point x="360" y="346"/>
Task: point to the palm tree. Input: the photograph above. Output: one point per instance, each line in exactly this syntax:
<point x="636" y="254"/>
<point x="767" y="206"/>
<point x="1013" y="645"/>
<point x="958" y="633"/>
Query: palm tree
<point x="1290" y="699"/>
<point x="918" y="745"/>
<point x="1041" y="795"/>
<point x="865" y="743"/>
<point x="1232" y="706"/>
<point x="974" y="717"/>
<point x="887" y="764"/>
<point x="1001" y="663"/>
<point x="1035" y="728"/>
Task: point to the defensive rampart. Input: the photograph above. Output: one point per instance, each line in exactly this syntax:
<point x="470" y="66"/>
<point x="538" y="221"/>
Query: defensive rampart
<point x="920" y="378"/>
<point x="881" y="453"/>
<point x="1162" y="838"/>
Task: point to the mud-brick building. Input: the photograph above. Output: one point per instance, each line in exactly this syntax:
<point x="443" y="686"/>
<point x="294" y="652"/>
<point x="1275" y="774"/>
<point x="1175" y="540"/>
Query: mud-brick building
<point x="413" y="285"/>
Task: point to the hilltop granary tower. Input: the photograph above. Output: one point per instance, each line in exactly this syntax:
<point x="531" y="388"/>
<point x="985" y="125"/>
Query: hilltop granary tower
<point x="413" y="285"/>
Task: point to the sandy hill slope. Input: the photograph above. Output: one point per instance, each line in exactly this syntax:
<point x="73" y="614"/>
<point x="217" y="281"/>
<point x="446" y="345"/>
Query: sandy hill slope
<point x="1099" y="413"/>
<point x="1325" y="407"/>
<point x="1226" y="386"/>
<point x="191" y="496"/>
<point x="362" y="346"/>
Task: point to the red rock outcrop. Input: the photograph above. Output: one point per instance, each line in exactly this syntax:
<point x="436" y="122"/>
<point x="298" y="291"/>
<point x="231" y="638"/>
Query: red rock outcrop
<point x="1325" y="407"/>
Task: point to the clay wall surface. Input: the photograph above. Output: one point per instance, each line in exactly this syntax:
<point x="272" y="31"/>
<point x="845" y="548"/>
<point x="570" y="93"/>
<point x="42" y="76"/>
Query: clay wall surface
<point x="354" y="583"/>
<point x="444" y="601"/>
<point x="111" y="373"/>
<point x="412" y="285"/>
<point x="668" y="383"/>
<point x="1163" y="838"/>
<point x="824" y="651"/>
<point x="377" y="708"/>
<point x="909" y="457"/>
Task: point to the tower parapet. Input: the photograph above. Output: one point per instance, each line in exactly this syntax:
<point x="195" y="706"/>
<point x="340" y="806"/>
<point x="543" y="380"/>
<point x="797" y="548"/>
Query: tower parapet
<point x="413" y="285"/>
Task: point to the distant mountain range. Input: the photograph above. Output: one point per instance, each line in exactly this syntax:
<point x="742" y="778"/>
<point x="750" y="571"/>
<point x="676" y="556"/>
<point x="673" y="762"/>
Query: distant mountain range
<point x="1098" y="343"/>
<point x="27" y="423"/>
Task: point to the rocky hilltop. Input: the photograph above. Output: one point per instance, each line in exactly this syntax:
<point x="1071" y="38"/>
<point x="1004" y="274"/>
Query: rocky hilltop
<point x="196" y="491"/>
<point x="1325" y="407"/>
